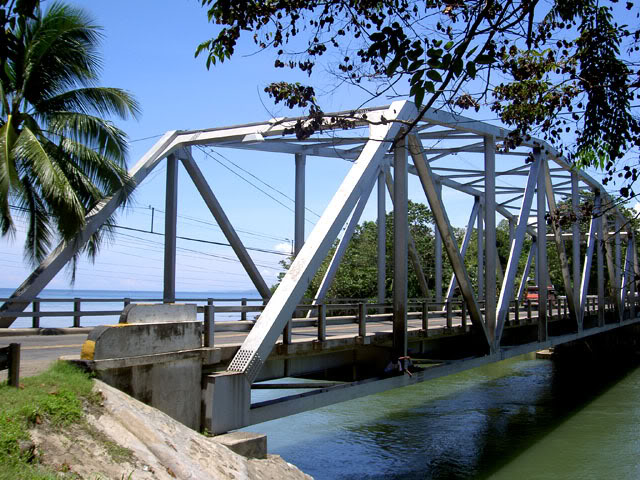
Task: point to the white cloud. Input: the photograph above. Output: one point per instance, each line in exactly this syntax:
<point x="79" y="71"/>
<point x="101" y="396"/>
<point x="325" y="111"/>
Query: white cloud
<point x="283" y="247"/>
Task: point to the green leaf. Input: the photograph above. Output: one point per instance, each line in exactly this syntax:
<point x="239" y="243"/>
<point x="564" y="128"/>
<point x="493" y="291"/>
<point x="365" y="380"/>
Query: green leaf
<point x="435" y="52"/>
<point x="448" y="45"/>
<point x="391" y="68"/>
<point x="471" y="69"/>
<point x="419" y="97"/>
<point x="429" y="87"/>
<point x="472" y="51"/>
<point x="485" y="59"/>
<point x="457" y="66"/>
<point x="434" y="75"/>
<point x="415" y="65"/>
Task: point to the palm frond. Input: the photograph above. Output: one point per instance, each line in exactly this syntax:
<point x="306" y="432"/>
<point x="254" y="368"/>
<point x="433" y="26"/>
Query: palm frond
<point x="97" y="133"/>
<point x="100" y="101"/>
<point x="39" y="235"/>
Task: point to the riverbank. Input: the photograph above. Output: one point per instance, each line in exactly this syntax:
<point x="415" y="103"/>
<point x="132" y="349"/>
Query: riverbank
<point x="61" y="424"/>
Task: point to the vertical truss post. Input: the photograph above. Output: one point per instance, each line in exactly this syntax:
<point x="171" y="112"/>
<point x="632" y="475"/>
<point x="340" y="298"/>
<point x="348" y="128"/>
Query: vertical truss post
<point x="627" y="272"/>
<point x="225" y="225"/>
<point x="541" y="257"/>
<point x="298" y="240"/>
<point x="575" y="229"/>
<point x="515" y="250"/>
<point x="562" y="253"/>
<point x="633" y="290"/>
<point x="614" y="287"/>
<point x="586" y="268"/>
<point x="480" y="241"/>
<point x="490" y="239"/>
<point x="443" y="224"/>
<point x="258" y="344"/>
<point x="400" y="243"/>
<point x="618" y="250"/>
<point x="438" y="253"/>
<point x="382" y="238"/>
<point x="413" y="252"/>
<point x="170" y="224"/>
<point x="465" y="244"/>
<point x="602" y="239"/>
<point x="527" y="269"/>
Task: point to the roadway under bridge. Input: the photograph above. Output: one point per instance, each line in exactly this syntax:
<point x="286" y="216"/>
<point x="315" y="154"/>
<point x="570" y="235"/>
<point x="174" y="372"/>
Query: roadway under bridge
<point x="385" y="145"/>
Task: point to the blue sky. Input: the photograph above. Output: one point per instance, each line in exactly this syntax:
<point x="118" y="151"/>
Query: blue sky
<point x="148" y="50"/>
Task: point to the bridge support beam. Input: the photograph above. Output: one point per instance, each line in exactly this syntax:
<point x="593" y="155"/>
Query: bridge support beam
<point x="465" y="244"/>
<point x="277" y="313"/>
<point x="480" y="249"/>
<point x="330" y="274"/>
<point x="443" y="224"/>
<point x="400" y="242"/>
<point x="438" y="254"/>
<point x="508" y="285"/>
<point x="225" y="225"/>
<point x="382" y="237"/>
<point x="490" y="241"/>
<point x="413" y="251"/>
<point x="527" y="269"/>
<point x="586" y="269"/>
<point x="602" y="241"/>
<point x="298" y="241"/>
<point x="562" y="253"/>
<point x="541" y="257"/>
<point x="575" y="228"/>
<point x="170" y="224"/>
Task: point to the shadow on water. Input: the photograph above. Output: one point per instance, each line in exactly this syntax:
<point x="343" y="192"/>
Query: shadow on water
<point x="465" y="426"/>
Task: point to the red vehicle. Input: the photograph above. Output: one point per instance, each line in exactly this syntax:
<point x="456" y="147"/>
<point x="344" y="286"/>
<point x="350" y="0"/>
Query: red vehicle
<point x="533" y="290"/>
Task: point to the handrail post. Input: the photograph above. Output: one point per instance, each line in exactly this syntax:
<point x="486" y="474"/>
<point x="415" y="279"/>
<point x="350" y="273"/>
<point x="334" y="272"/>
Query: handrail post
<point x="243" y="314"/>
<point x="463" y="308"/>
<point x="14" y="364"/>
<point x="447" y="306"/>
<point x="286" y="333"/>
<point x="529" y="319"/>
<point x="77" y="304"/>
<point x="209" y="325"/>
<point x="425" y="316"/>
<point x="35" y="322"/>
<point x="362" y="320"/>
<point x="322" y="323"/>
<point x="127" y="301"/>
<point x="516" y="312"/>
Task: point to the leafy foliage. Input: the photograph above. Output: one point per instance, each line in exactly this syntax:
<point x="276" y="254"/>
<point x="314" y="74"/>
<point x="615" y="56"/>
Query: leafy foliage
<point x="58" y="156"/>
<point x="563" y="70"/>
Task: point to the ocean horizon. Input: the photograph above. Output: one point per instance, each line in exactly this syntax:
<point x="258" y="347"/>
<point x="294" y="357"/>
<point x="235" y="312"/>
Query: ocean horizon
<point x="112" y="300"/>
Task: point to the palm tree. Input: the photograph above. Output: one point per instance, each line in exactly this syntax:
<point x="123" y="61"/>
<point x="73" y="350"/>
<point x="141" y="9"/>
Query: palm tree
<point x="59" y="157"/>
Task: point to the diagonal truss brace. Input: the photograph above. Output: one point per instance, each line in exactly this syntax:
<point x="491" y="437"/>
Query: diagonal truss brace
<point x="330" y="274"/>
<point x="59" y="257"/>
<point x="263" y="336"/>
<point x="588" y="258"/>
<point x="562" y="253"/>
<point x="506" y="292"/>
<point x="527" y="269"/>
<point x="225" y="225"/>
<point x="465" y="244"/>
<point x="443" y="224"/>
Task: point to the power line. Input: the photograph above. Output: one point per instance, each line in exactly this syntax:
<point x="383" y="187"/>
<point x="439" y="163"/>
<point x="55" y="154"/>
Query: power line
<point x="249" y="182"/>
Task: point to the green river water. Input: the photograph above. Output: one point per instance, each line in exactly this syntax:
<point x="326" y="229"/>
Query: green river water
<point x="518" y="419"/>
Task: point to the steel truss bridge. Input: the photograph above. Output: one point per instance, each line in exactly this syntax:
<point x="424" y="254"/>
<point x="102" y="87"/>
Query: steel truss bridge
<point x="522" y="185"/>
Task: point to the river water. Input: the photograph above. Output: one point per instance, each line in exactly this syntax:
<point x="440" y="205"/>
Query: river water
<point x="518" y="419"/>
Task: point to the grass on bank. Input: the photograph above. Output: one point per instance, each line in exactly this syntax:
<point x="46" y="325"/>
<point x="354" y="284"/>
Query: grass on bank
<point x="54" y="399"/>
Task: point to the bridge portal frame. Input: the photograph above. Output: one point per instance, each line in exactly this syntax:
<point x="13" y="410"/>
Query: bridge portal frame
<point x="387" y="144"/>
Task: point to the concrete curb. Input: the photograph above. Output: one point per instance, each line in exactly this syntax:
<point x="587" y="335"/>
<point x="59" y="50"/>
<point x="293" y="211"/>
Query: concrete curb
<point x="26" y="332"/>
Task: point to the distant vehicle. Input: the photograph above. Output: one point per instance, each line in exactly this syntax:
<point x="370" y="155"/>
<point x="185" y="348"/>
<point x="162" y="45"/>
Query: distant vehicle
<point x="532" y="293"/>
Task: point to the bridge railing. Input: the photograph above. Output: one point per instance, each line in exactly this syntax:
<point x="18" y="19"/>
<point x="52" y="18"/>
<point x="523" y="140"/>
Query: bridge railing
<point x="240" y="313"/>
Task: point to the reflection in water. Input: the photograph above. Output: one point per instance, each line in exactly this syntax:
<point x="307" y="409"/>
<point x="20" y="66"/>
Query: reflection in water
<point x="521" y="418"/>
